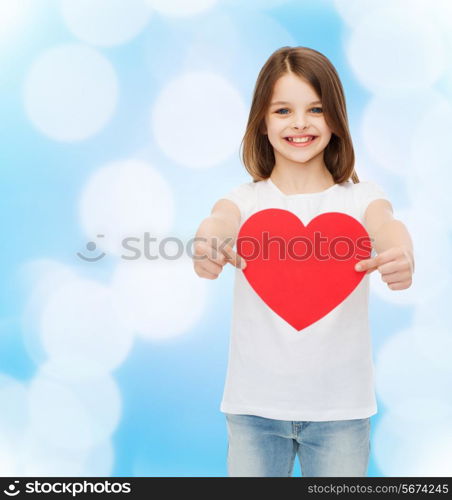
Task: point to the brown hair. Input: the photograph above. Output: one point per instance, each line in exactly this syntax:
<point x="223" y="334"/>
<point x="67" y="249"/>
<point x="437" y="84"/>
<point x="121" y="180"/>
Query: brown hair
<point x="257" y="155"/>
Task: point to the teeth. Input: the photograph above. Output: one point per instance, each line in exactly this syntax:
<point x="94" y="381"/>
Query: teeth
<point x="300" y="139"/>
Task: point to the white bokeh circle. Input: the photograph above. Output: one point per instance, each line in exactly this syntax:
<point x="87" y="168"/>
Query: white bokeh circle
<point x="126" y="199"/>
<point x="105" y="22"/>
<point x="255" y="4"/>
<point x="35" y="456"/>
<point x="70" y="92"/>
<point x="352" y="11"/>
<point x="403" y="370"/>
<point x="14" y="413"/>
<point x="159" y="299"/>
<point x="434" y="313"/>
<point x="435" y="344"/>
<point x="79" y="326"/>
<point x="74" y="415"/>
<point x="422" y="408"/>
<point x="430" y="161"/>
<point x="181" y="8"/>
<point x="432" y="269"/>
<point x="198" y="119"/>
<point x="439" y="11"/>
<point x="390" y="127"/>
<point x="395" y="48"/>
<point x="41" y="278"/>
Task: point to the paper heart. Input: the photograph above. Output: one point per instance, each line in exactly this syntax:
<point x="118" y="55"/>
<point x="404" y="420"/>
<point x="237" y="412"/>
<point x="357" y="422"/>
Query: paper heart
<point x="316" y="271"/>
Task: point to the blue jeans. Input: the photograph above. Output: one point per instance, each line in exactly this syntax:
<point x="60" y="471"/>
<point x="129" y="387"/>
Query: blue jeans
<point x="264" y="447"/>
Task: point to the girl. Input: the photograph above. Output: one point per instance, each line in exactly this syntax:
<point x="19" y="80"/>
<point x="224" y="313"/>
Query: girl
<point x="309" y="392"/>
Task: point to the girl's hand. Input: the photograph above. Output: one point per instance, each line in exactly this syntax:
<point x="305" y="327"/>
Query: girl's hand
<point x="396" y="266"/>
<point x="210" y="260"/>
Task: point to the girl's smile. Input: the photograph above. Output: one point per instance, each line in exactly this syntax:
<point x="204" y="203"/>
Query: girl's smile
<point x="300" y="141"/>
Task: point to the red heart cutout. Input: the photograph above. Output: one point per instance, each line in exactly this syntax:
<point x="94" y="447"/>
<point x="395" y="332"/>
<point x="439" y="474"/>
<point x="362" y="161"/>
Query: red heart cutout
<point x="302" y="272"/>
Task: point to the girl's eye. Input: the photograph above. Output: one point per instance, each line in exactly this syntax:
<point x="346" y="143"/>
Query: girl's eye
<point x="285" y="109"/>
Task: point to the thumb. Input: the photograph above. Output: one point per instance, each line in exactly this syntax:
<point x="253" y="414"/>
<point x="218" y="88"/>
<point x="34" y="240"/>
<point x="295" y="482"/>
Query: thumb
<point x="234" y="258"/>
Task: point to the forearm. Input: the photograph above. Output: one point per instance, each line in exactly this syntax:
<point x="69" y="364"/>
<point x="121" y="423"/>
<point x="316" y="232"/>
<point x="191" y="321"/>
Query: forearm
<point x="393" y="234"/>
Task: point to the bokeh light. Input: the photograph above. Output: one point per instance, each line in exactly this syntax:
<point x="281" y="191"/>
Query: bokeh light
<point x="73" y="415"/>
<point x="70" y="92"/>
<point x="394" y="48"/>
<point x="196" y="112"/>
<point x="105" y="22"/>
<point x="125" y="199"/>
<point x="176" y="8"/>
<point x="79" y="326"/>
<point x="159" y="299"/>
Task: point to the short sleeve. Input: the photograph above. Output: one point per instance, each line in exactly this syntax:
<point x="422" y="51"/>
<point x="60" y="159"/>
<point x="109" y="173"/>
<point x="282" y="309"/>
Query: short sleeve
<point x="243" y="196"/>
<point x="368" y="191"/>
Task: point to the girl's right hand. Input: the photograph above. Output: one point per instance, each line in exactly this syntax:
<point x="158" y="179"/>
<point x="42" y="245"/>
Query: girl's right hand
<point x="209" y="260"/>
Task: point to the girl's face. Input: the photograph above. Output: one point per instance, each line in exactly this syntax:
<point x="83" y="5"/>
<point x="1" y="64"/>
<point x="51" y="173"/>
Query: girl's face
<point x="301" y="113"/>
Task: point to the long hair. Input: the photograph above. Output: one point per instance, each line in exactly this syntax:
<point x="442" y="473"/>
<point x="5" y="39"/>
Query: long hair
<point x="309" y="64"/>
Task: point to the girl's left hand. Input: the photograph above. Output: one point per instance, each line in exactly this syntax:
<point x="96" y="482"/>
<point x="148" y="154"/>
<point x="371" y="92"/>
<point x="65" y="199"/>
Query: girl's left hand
<point x="396" y="266"/>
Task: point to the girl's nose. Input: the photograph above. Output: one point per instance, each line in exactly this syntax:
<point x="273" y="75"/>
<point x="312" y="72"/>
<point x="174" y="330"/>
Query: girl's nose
<point x="300" y="123"/>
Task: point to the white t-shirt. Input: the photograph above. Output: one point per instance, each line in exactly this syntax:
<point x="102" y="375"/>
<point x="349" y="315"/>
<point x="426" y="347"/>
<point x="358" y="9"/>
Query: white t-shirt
<point x="322" y="372"/>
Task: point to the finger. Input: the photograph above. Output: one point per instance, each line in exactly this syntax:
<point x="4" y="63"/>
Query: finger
<point x="396" y="277"/>
<point x="400" y="285"/>
<point x="216" y="257"/>
<point x="211" y="267"/>
<point x="371" y="270"/>
<point x="389" y="267"/>
<point x="234" y="258"/>
<point x="395" y="266"/>
<point x="380" y="259"/>
<point x="206" y="252"/>
<point x="206" y="274"/>
<point x="202" y="272"/>
<point x="366" y="264"/>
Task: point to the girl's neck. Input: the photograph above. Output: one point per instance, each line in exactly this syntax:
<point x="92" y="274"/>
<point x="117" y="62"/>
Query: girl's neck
<point x="300" y="180"/>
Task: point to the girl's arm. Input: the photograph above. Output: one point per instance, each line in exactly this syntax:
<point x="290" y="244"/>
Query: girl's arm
<point x="392" y="242"/>
<point x="215" y="239"/>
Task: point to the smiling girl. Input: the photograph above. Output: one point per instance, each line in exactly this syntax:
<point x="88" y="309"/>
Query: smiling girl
<point x="308" y="393"/>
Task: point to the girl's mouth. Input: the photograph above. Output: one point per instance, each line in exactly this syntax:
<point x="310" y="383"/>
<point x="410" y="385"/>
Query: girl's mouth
<point x="301" y="144"/>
